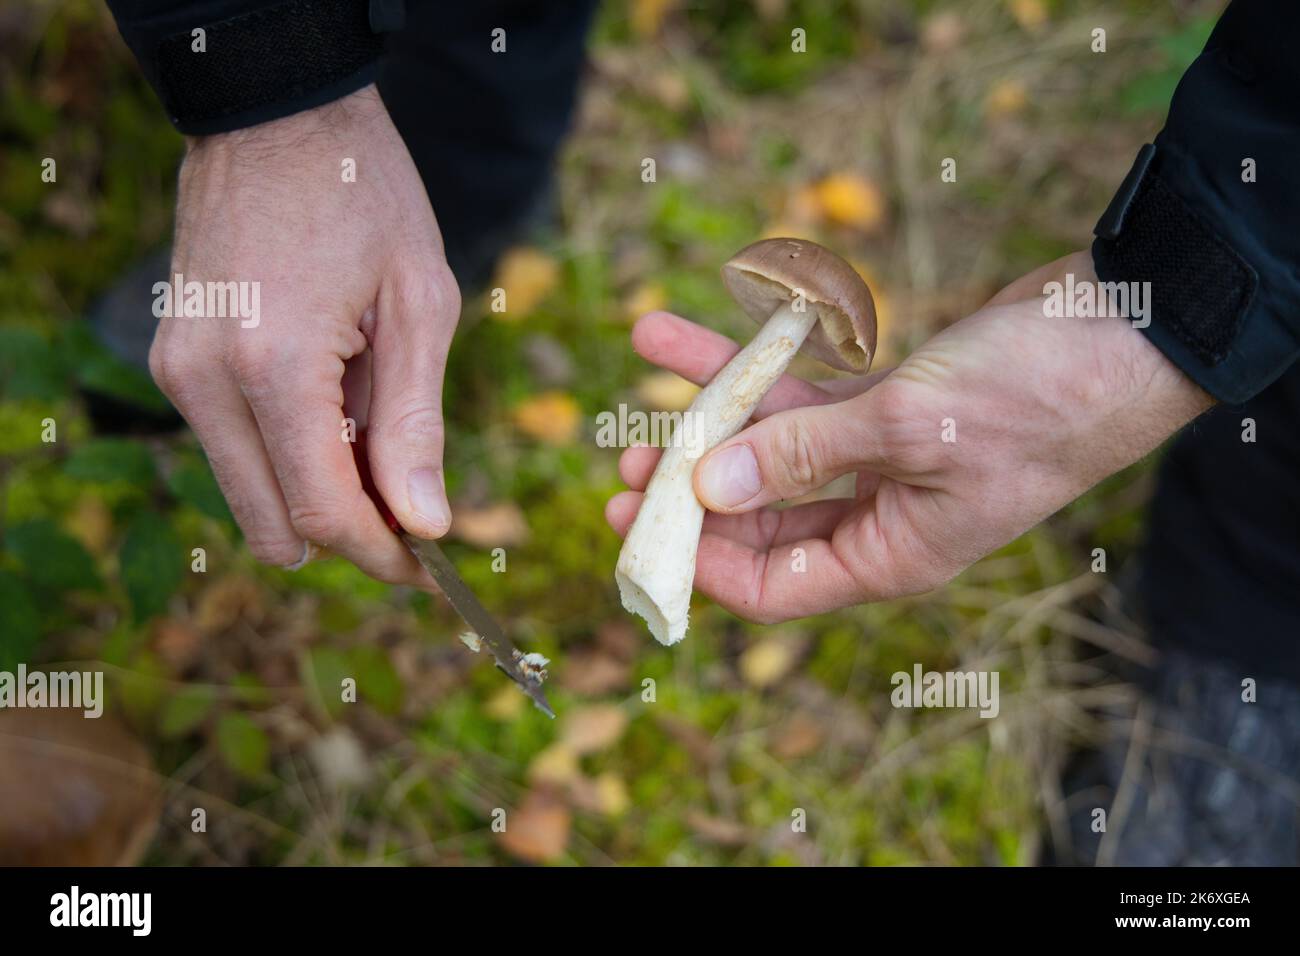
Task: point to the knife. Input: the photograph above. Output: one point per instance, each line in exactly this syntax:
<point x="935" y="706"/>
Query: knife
<point x="526" y="670"/>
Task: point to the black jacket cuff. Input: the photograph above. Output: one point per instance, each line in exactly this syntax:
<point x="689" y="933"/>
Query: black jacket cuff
<point x="1209" y="214"/>
<point x="256" y="61"/>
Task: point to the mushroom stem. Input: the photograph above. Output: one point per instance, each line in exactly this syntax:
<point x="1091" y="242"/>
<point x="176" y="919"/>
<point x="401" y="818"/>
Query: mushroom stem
<point x="656" y="568"/>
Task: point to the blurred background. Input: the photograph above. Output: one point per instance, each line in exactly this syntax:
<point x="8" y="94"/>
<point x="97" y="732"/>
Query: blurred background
<point x="225" y="682"/>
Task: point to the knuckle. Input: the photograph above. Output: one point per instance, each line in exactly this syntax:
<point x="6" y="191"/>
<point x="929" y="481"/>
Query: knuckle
<point x="418" y="425"/>
<point x="797" y="456"/>
<point x="169" y="370"/>
<point x="316" y="523"/>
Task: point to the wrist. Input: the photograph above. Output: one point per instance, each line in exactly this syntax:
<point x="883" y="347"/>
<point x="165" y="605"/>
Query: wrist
<point x="359" y="109"/>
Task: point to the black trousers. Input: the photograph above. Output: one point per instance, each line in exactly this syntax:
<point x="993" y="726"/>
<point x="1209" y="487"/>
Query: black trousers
<point x="1221" y="566"/>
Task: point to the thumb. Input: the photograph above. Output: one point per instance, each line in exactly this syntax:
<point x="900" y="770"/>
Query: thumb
<point x="787" y="455"/>
<point x="416" y="316"/>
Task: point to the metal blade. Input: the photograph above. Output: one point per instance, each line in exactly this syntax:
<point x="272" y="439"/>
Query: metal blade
<point x="508" y="657"/>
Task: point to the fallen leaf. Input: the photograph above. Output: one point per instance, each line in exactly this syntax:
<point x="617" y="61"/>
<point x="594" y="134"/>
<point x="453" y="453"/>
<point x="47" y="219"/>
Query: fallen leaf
<point x="177" y="644"/>
<point x="527" y="276"/>
<point x="592" y="673"/>
<point x="591" y="729"/>
<point x="556" y="764"/>
<point x="1006" y="98"/>
<point x="506" y="704"/>
<point x="666" y="392"/>
<point x="849" y="199"/>
<point x="693" y="739"/>
<point x="612" y="794"/>
<point x="499" y="525"/>
<point x="225" y="601"/>
<point x="765" y="663"/>
<point x="537" y="831"/>
<point x="670" y="88"/>
<point x="620" y="638"/>
<point x="647" y="16"/>
<point x="717" y="830"/>
<point x="797" y="736"/>
<point x="645" y="298"/>
<point x="1030" y="14"/>
<point x="551" y="417"/>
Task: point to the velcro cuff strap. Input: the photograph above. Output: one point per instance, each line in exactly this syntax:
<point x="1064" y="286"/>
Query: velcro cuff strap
<point x="1200" y="286"/>
<point x="275" y="54"/>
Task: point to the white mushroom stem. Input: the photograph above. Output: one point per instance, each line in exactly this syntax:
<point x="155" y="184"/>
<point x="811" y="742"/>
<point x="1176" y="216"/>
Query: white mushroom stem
<point x="656" y="568"/>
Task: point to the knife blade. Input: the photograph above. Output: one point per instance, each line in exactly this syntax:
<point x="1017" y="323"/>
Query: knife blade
<point x="517" y="665"/>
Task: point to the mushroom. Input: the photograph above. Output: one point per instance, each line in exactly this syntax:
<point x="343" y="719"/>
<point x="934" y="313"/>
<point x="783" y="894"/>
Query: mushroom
<point x="789" y="285"/>
<point x="73" y="791"/>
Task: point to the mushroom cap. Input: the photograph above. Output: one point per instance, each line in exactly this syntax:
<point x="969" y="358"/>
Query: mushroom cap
<point x="74" y="791"/>
<point x="765" y="275"/>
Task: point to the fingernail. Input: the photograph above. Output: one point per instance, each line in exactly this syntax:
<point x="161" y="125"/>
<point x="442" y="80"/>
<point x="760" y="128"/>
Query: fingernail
<point x="428" y="498"/>
<point x="310" y="552"/>
<point x="730" y="477"/>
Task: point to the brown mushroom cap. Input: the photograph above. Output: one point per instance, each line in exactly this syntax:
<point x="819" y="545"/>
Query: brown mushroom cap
<point x="74" y="791"/>
<point x="765" y="275"/>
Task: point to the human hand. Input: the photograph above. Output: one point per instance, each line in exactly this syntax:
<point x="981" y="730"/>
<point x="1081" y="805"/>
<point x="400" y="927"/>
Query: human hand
<point x="356" y="314"/>
<point x="1036" y="410"/>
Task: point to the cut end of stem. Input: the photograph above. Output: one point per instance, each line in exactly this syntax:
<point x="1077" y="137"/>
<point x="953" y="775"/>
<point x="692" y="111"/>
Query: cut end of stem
<point x="637" y="601"/>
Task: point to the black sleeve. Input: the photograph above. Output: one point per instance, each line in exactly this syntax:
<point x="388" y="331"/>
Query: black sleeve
<point x="255" y="60"/>
<point x="1210" y="215"/>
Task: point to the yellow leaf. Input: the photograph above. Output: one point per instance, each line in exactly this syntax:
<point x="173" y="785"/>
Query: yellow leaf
<point x="666" y="391"/>
<point x="500" y="525"/>
<point x="1006" y="98"/>
<point x="766" y="662"/>
<point x="647" y="16"/>
<point x="551" y="417"/>
<point x="506" y="704"/>
<point x="647" y="297"/>
<point x="538" y="829"/>
<point x="593" y="728"/>
<point x="848" y="199"/>
<point x="556" y="764"/>
<point x="526" y="276"/>
<point x="611" y="794"/>
<point x="1030" y="14"/>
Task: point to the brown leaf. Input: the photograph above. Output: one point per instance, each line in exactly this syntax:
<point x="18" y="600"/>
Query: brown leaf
<point x="225" y="601"/>
<point x="537" y="831"/>
<point x="693" y="739"/>
<point x="556" y="764"/>
<point x="591" y="729"/>
<point x="797" y="736"/>
<point x="177" y="644"/>
<point x="717" y="830"/>
<point x="591" y="673"/>
<point x="500" y="525"/>
<point x="620" y="638"/>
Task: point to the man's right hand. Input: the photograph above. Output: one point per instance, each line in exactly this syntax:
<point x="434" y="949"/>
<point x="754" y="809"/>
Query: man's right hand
<point x="357" y="312"/>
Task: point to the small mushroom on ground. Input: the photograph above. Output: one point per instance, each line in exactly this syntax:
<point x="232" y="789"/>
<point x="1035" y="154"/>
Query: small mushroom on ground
<point x="800" y="291"/>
